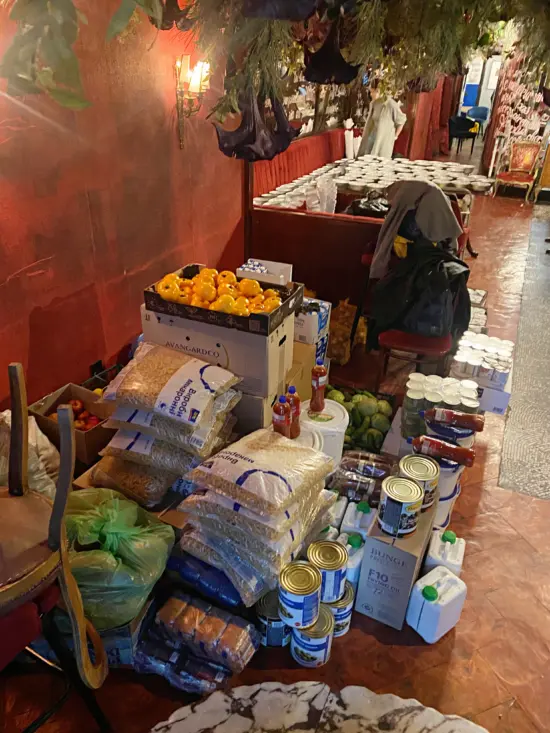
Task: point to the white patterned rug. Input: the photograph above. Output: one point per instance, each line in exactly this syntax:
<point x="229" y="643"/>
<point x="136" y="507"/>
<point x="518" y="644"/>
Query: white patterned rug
<point x="309" y="707"/>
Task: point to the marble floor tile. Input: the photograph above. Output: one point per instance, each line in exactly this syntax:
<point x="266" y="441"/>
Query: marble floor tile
<point x="522" y="607"/>
<point x="485" y="531"/>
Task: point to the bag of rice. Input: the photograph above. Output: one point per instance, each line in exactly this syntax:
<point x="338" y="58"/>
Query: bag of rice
<point x="197" y="441"/>
<point x="170" y="383"/>
<point x="263" y="471"/>
<point x="148" y="451"/>
<point x="249" y="584"/>
<point x="144" y="484"/>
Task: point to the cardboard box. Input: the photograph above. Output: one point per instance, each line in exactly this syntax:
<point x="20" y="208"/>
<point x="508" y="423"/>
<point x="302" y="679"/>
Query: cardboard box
<point x="89" y="442"/>
<point x="292" y="296"/>
<point x="389" y="569"/>
<point x="495" y="400"/>
<point x="261" y="361"/>
<point x="310" y="327"/>
<point x="305" y="356"/>
<point x="279" y="273"/>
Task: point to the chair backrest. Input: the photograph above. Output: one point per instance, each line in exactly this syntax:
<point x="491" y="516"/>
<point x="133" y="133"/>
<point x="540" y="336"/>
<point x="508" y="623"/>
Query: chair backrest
<point x="460" y="125"/>
<point x="524" y="155"/>
<point x="19" y="434"/>
<point x="478" y="113"/>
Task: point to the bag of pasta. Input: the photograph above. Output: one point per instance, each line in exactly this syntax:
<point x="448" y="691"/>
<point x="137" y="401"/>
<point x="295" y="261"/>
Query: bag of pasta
<point x="148" y="451"/>
<point x="144" y="484"/>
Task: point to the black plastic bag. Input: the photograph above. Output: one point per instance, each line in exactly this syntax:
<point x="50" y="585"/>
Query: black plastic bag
<point x="327" y="65"/>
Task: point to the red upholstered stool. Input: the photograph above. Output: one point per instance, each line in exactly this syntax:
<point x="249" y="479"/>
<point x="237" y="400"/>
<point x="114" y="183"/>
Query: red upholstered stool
<point x="422" y="350"/>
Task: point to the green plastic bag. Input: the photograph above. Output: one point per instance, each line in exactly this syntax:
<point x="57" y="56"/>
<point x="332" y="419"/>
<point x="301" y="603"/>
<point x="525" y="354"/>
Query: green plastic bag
<point x="128" y="550"/>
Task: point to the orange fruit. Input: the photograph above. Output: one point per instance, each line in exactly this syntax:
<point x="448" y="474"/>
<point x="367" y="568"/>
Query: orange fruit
<point x="209" y="272"/>
<point x="215" y="306"/>
<point x="250" y="288"/>
<point x="257" y="308"/>
<point x="228" y="289"/>
<point x="171" y="276"/>
<point x="184" y="297"/>
<point x="205" y="290"/>
<point x="257" y="300"/>
<point x="226" y="303"/>
<point x="185" y="284"/>
<point x="271" y="304"/>
<point x="198" y="302"/>
<point x="227" y="277"/>
<point x="168" y="290"/>
<point x="271" y="293"/>
<point x="240" y="311"/>
<point x="202" y="278"/>
<point x="242" y="302"/>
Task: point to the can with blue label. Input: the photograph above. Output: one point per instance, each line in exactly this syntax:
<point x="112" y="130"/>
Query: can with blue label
<point x="299" y="594"/>
<point x="331" y="558"/>
<point x="311" y="647"/>
<point x="273" y="631"/>
<point x="342" y="610"/>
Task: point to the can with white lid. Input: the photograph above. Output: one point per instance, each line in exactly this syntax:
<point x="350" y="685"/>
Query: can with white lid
<point x="331" y="423"/>
<point x="433" y="399"/>
<point x="434" y="381"/>
<point x="468" y="384"/>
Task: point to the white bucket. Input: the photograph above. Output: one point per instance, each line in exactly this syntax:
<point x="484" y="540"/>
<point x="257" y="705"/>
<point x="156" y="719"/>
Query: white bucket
<point x="445" y="509"/>
<point x="451" y="434"/>
<point x="310" y="437"/>
<point x="449" y="475"/>
<point x="331" y="423"/>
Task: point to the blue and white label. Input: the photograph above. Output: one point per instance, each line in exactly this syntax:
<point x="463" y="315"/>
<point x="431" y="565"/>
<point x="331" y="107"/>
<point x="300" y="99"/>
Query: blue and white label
<point x="342" y="619"/>
<point x="133" y="442"/>
<point x="298" y="611"/>
<point x="310" y="652"/>
<point x="333" y="584"/>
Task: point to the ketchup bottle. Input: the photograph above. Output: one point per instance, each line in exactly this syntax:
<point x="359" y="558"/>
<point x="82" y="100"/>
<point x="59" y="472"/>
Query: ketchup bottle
<point x="318" y="386"/>
<point x="440" y="449"/>
<point x="293" y="399"/>
<point x="282" y="417"/>
<point x="456" y="419"/>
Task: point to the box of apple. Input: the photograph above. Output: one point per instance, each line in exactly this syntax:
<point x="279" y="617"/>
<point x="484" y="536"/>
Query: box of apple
<point x="83" y="419"/>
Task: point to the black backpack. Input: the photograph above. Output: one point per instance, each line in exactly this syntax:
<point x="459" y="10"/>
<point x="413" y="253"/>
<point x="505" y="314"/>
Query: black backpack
<point x="430" y="311"/>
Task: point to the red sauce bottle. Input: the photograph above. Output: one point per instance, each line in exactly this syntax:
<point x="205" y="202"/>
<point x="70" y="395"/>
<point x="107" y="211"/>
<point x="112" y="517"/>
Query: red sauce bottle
<point x="440" y="449"/>
<point x="281" y="417"/>
<point x="293" y="399"/>
<point x="457" y="419"/>
<point x="318" y="386"/>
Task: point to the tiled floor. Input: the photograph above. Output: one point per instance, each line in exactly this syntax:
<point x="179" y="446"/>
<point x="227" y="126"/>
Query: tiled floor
<point x="494" y="667"/>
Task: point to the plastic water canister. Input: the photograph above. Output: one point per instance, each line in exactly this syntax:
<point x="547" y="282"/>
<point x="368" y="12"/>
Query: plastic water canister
<point x="436" y="604"/>
<point x="356" y="550"/>
<point x="331" y="424"/>
<point x="358" y="518"/>
<point x="338" y="511"/>
<point x="445" y="550"/>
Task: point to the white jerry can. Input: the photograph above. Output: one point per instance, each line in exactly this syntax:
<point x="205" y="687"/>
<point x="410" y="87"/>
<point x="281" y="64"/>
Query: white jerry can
<point x="436" y="603"/>
<point x="445" y="549"/>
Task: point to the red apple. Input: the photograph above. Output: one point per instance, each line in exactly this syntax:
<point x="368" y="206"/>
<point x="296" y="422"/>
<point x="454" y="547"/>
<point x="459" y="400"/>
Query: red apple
<point x="77" y="406"/>
<point x="84" y="415"/>
<point x="92" y="421"/>
<point x="79" y="425"/>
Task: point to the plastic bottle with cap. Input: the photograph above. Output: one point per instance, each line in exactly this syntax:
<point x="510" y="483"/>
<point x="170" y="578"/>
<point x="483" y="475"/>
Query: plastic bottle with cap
<point x="358" y="518"/>
<point x="328" y="533"/>
<point x="436" y="604"/>
<point x="319" y="377"/>
<point x="293" y="399"/>
<point x="282" y="417"/>
<point x="445" y="550"/>
<point x="356" y="550"/>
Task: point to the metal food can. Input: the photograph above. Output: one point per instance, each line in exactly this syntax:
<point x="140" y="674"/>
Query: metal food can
<point x="299" y="594"/>
<point x="331" y="559"/>
<point x="273" y="631"/>
<point x="342" y="610"/>
<point x="433" y="399"/>
<point x="459" y="364"/>
<point x="310" y="647"/>
<point x="471" y="368"/>
<point x="500" y="375"/>
<point x="423" y="471"/>
<point x="470" y="405"/>
<point x="486" y="370"/>
<point x="400" y="505"/>
<point x="468" y="384"/>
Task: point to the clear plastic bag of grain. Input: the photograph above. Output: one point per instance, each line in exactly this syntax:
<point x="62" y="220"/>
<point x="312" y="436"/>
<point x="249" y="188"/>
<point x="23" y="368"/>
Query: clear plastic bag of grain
<point x="148" y="451"/>
<point x="199" y="441"/>
<point x="144" y="484"/>
<point x="263" y="471"/>
<point x="170" y="384"/>
<point x="249" y="583"/>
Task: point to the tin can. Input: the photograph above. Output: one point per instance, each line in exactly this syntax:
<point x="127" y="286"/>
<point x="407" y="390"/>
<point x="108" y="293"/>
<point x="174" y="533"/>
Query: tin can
<point x="459" y="364"/>
<point x="273" y="631"/>
<point x="342" y="610"/>
<point x="400" y="505"/>
<point x="451" y="400"/>
<point x="310" y="647"/>
<point x="331" y="559"/>
<point x="486" y="370"/>
<point x="433" y="399"/>
<point x="299" y="594"/>
<point x="423" y="471"/>
<point x="471" y="368"/>
<point x="434" y="382"/>
<point x="468" y="384"/>
<point x="500" y="375"/>
<point x="469" y="405"/>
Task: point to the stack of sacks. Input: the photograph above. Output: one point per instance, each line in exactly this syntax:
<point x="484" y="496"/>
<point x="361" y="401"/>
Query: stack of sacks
<point x="172" y="412"/>
<point x="254" y="507"/>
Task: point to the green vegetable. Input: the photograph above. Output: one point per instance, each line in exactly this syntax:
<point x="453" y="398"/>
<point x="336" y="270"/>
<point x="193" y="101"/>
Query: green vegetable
<point x="385" y="408"/>
<point x="349" y="430"/>
<point x="348" y="406"/>
<point x="357" y="398"/>
<point x="347" y="440"/>
<point x="365" y="425"/>
<point x="356" y="418"/>
<point x="329" y="388"/>
<point x="367" y="406"/>
<point x="337" y="396"/>
<point x="380" y="422"/>
<point x="374" y="439"/>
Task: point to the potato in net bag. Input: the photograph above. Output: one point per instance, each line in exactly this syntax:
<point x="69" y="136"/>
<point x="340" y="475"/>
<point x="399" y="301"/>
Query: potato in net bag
<point x="263" y="471"/>
<point x="198" y="441"/>
<point x="249" y="583"/>
<point x="148" y="451"/>
<point x="170" y="384"/>
<point x="144" y="484"/>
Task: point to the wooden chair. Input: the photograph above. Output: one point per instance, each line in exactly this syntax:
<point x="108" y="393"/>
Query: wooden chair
<point x="34" y="562"/>
<point x="420" y="350"/>
<point x="521" y="172"/>
<point x="544" y="180"/>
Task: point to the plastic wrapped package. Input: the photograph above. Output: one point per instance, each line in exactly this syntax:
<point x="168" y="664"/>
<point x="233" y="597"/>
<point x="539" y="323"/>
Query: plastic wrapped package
<point x="183" y="486"/>
<point x="216" y="634"/>
<point x="148" y="451"/>
<point x="144" y="484"/>
<point x="200" y="441"/>
<point x="207" y="580"/>
<point x="170" y="383"/>
<point x="263" y="471"/>
<point x="128" y="552"/>
<point x="359" y="476"/>
<point x="248" y="582"/>
<point x="39" y="478"/>
<point x="217" y="506"/>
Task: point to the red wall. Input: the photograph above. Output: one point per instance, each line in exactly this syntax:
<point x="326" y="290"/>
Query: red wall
<point x="97" y="204"/>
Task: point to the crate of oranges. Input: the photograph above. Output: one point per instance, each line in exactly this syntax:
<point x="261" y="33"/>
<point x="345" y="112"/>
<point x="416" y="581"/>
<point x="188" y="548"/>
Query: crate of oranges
<point x="221" y="298"/>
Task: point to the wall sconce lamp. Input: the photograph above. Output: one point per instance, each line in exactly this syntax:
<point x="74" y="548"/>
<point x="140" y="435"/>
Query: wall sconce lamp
<point x="191" y="84"/>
